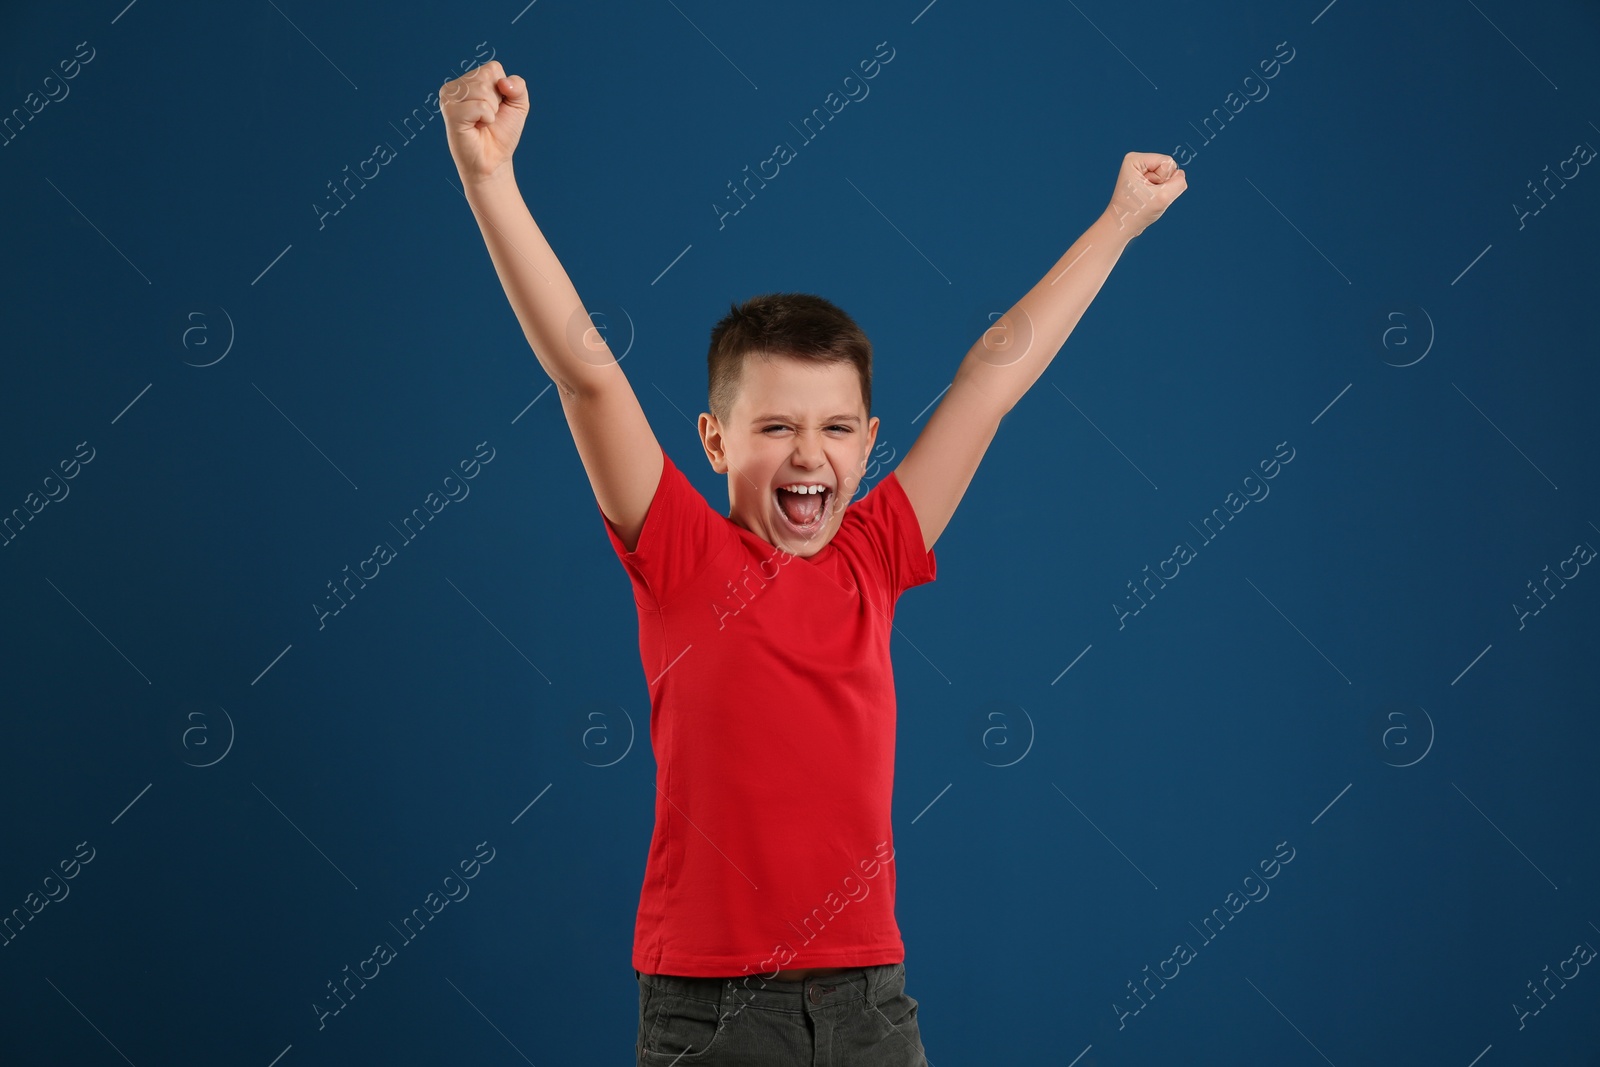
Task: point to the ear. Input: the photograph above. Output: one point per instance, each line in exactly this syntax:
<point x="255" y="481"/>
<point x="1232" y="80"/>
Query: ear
<point x="711" y="440"/>
<point x="872" y="440"/>
<point x="854" y="479"/>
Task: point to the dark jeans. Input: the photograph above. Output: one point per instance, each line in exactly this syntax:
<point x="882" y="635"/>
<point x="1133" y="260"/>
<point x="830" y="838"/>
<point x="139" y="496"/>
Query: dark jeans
<point x="856" y="1018"/>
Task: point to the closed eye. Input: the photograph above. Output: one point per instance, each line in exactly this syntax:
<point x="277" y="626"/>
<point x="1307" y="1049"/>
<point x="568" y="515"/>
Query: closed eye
<point x="835" y="426"/>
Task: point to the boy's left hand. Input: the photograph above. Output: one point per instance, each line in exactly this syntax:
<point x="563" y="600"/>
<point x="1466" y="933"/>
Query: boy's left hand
<point x="1146" y="185"/>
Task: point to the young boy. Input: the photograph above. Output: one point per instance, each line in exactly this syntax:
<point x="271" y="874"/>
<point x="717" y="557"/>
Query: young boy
<point x="765" y="931"/>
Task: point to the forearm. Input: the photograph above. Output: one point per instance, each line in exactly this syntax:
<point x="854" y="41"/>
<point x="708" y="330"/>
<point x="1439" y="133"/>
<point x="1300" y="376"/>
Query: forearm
<point x="553" y="317"/>
<point x="1013" y="353"/>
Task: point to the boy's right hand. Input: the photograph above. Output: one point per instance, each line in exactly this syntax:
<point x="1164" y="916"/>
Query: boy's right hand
<point x="484" y="112"/>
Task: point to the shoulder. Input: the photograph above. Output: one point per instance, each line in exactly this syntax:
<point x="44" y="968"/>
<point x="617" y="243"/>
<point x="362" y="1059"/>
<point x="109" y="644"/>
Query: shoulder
<point x="884" y="522"/>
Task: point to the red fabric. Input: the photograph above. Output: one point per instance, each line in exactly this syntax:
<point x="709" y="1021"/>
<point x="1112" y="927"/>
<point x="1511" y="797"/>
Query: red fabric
<point x="772" y="718"/>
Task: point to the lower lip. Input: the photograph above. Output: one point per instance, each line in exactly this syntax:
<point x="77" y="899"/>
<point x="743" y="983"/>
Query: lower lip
<point x="813" y="529"/>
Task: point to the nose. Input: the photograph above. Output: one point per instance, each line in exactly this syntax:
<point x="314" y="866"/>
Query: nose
<point x="808" y="452"/>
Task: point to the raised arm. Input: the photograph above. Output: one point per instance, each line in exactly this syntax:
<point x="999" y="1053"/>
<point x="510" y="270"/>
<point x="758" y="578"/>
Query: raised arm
<point x="484" y="112"/>
<point x="1013" y="353"/>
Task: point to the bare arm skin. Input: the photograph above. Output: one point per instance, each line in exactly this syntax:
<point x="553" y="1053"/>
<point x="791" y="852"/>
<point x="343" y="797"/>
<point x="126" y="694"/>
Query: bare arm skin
<point x="1012" y="355"/>
<point x="485" y="112"/>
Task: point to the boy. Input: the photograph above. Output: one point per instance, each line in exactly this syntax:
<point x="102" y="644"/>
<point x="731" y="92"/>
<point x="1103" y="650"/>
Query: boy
<point x="765" y="931"/>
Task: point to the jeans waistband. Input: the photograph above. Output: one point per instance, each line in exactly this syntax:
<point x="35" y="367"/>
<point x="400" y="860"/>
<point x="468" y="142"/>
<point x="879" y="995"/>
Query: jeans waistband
<point x="757" y="991"/>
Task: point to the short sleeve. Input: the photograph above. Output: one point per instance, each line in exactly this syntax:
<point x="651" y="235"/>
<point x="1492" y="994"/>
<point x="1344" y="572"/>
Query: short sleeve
<point x="682" y="534"/>
<point x="890" y="525"/>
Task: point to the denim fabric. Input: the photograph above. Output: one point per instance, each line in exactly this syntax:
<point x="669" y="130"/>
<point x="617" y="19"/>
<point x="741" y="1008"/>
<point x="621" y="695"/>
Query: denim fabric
<point x="856" y="1018"/>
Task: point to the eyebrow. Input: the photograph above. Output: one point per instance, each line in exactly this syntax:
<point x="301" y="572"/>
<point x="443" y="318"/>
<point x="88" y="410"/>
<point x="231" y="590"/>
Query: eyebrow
<point x="785" y="418"/>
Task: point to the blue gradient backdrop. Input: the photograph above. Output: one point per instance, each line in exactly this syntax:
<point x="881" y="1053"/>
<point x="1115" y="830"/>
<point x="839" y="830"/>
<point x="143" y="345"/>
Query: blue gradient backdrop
<point x="1360" y="271"/>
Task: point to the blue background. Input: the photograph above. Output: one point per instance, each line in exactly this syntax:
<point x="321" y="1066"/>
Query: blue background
<point x="1342" y="668"/>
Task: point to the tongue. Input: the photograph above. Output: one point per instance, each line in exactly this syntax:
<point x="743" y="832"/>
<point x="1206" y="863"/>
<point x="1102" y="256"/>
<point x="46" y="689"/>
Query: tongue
<point x="801" y="509"/>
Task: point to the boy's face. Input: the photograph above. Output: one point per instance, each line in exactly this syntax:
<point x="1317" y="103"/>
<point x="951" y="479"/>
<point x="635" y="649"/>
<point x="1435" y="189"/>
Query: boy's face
<point x="793" y="423"/>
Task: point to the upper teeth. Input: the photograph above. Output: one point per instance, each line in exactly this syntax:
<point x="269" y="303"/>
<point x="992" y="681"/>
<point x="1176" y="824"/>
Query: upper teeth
<point x="803" y="488"/>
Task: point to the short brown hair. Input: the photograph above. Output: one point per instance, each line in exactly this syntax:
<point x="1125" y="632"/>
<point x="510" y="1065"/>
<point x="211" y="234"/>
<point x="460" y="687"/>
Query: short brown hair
<point x="794" y="325"/>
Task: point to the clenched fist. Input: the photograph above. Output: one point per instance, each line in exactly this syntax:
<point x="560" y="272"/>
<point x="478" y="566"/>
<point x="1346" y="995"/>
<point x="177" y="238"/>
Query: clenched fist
<point x="484" y="112"/>
<point x="1146" y="185"/>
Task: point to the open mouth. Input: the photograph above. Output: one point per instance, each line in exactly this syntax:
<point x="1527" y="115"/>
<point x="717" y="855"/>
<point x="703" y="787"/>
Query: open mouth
<point x="804" y="514"/>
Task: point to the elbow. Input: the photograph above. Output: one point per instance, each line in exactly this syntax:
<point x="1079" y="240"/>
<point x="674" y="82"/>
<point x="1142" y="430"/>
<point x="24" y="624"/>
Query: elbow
<point x="587" y="381"/>
<point x="564" y="389"/>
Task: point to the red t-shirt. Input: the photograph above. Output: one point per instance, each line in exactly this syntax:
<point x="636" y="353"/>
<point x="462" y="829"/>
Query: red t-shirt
<point x="772" y="717"/>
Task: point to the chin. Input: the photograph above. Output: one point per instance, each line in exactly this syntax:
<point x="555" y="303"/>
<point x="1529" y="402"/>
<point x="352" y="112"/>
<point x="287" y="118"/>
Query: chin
<point x="804" y="549"/>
